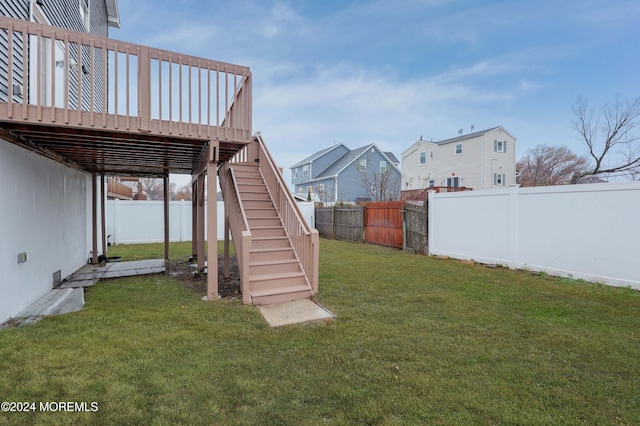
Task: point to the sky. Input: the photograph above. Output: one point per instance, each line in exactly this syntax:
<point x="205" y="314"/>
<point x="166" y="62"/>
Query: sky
<point x="392" y="71"/>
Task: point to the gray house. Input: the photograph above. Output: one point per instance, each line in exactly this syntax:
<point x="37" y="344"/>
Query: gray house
<point x="340" y="174"/>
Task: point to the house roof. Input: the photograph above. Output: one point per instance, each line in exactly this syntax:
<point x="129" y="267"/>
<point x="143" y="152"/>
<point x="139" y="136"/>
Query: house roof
<point x="473" y="135"/>
<point x="458" y="138"/>
<point x="113" y="15"/>
<point x="344" y="161"/>
<point x="315" y="155"/>
<point x="392" y="157"/>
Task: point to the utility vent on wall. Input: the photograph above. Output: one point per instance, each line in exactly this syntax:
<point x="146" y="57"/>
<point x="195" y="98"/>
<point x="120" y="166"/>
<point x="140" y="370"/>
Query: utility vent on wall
<point x="57" y="278"/>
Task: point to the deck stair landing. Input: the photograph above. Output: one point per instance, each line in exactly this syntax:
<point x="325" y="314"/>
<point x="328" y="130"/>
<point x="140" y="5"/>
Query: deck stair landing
<point x="275" y="273"/>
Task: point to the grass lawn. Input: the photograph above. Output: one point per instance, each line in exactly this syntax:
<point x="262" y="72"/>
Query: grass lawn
<point x="418" y="340"/>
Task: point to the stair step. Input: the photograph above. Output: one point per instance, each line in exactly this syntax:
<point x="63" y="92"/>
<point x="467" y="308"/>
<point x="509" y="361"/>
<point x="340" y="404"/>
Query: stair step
<point x="259" y="204"/>
<point x="276" y="276"/>
<point x="264" y="221"/>
<point x="277" y="266"/>
<point x="253" y="213"/>
<point x="268" y="231"/>
<point x="269" y="254"/>
<point x="280" y="294"/>
<point x="270" y="242"/>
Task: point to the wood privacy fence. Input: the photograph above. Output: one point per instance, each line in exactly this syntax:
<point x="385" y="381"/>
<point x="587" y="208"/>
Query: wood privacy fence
<point x="395" y="224"/>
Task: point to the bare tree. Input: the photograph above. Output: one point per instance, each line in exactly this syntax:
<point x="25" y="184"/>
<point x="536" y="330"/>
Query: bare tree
<point x="606" y="130"/>
<point x="549" y="165"/>
<point x="154" y="188"/>
<point x="380" y="185"/>
<point x="182" y="193"/>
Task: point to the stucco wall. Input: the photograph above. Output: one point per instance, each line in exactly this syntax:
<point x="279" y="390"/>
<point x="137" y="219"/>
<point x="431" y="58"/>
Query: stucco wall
<point x="45" y="212"/>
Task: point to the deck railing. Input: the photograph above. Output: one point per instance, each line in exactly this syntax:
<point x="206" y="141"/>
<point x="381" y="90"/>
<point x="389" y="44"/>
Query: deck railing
<point x="55" y="76"/>
<point x="304" y="238"/>
<point x="118" y="189"/>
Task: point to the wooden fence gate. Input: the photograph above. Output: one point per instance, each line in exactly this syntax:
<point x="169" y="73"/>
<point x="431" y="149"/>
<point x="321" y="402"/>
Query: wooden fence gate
<point x="415" y="220"/>
<point x="383" y="223"/>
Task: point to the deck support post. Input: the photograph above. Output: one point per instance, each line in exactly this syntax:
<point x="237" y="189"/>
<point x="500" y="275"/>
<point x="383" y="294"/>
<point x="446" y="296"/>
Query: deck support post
<point x="194" y="219"/>
<point x="94" y="218"/>
<point x="200" y="223"/>
<point x="226" y="241"/>
<point x="212" y="220"/>
<point x="103" y="214"/>
<point x="165" y="181"/>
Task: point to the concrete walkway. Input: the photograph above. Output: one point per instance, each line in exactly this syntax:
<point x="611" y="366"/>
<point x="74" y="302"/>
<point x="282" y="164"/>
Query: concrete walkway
<point x="69" y="295"/>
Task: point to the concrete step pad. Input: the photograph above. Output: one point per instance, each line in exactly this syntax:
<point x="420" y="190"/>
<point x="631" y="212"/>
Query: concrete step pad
<point x="56" y="302"/>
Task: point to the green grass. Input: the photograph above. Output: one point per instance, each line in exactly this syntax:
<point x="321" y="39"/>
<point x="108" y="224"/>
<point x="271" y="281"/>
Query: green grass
<point x="418" y="340"/>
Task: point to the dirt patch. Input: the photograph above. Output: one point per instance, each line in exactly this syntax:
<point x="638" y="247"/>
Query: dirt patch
<point x="187" y="272"/>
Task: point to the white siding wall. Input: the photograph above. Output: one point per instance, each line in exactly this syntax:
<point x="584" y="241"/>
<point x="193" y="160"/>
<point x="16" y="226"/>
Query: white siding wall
<point x="413" y="173"/>
<point x="579" y="231"/>
<point x="476" y="165"/>
<point x="45" y="212"/>
<point x="504" y="162"/>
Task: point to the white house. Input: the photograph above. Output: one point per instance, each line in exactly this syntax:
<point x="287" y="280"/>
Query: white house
<point x="480" y="160"/>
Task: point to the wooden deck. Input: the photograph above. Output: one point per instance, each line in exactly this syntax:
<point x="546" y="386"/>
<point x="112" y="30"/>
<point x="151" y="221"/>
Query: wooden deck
<point x="111" y="107"/>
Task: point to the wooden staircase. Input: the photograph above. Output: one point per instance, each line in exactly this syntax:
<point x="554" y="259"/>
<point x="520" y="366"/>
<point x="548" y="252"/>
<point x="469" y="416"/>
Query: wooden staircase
<point x="275" y="273"/>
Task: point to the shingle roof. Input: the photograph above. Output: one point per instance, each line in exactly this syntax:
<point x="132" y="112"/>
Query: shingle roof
<point x="315" y="155"/>
<point x="467" y="136"/>
<point x="343" y="162"/>
<point x="392" y="157"/>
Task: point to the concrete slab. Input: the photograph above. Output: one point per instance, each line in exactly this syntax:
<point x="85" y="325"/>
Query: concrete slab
<point x="77" y="283"/>
<point x="56" y="302"/>
<point x="296" y="312"/>
<point x="138" y="267"/>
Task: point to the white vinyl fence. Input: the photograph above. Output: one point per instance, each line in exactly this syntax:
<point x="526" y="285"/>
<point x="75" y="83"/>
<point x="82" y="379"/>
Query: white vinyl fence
<point x="132" y="222"/>
<point x="578" y="231"/>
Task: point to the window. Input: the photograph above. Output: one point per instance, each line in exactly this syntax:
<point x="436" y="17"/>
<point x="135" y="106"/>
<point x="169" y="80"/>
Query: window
<point x="453" y="182"/>
<point x="459" y="149"/>
<point x="321" y="188"/>
<point x="294" y="173"/>
<point x="431" y="154"/>
<point x="84" y="13"/>
<point x="362" y="165"/>
<point x="499" y="146"/>
<point x="432" y="183"/>
<point x="383" y="167"/>
<point x="499" y="179"/>
<point x="305" y="170"/>
<point x="423" y="158"/>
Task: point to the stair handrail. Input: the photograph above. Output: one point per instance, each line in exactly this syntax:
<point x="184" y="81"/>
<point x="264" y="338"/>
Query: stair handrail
<point x="304" y="238"/>
<point x="239" y="228"/>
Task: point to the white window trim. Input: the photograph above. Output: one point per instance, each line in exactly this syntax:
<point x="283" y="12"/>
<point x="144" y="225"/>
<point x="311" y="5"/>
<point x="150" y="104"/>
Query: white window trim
<point x="294" y="173"/>
<point x="85" y="13"/>
<point x="499" y="179"/>
<point x="456" y="149"/>
<point x="420" y="162"/>
<point x="362" y="165"/>
<point x="305" y="170"/>
<point x="383" y="167"/>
